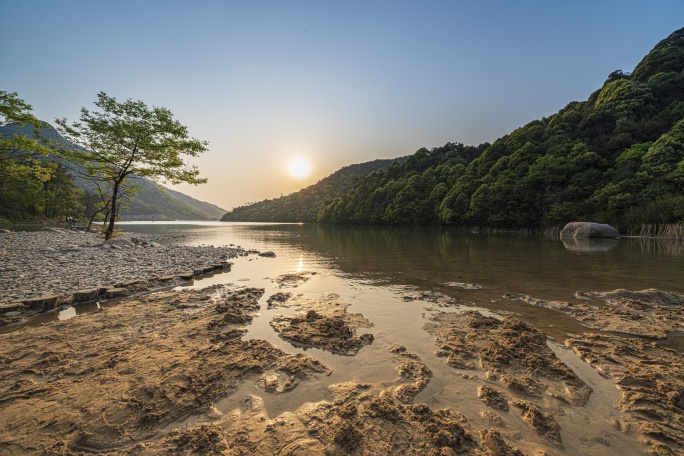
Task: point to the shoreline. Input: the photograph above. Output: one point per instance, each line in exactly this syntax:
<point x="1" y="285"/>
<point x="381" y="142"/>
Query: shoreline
<point x="44" y="270"/>
<point x="185" y="372"/>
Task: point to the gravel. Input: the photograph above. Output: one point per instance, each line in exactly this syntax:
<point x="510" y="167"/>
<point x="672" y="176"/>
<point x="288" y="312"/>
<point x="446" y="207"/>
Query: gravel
<point x="62" y="262"/>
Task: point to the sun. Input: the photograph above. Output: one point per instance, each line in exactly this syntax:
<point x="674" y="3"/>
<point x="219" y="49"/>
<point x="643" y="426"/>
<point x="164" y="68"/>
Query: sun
<point x="299" y="168"/>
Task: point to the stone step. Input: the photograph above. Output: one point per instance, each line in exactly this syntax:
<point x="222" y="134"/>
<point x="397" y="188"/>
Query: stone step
<point x="45" y="302"/>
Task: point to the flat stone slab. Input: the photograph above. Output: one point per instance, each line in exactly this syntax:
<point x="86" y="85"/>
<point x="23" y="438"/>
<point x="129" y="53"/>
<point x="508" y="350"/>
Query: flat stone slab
<point x="45" y="302"/>
<point x="10" y="307"/>
<point x="114" y="293"/>
<point x="189" y="275"/>
<point x="86" y="295"/>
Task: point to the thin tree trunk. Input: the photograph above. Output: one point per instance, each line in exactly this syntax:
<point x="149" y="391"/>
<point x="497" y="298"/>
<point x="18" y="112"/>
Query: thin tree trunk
<point x="112" y="214"/>
<point x="92" y="217"/>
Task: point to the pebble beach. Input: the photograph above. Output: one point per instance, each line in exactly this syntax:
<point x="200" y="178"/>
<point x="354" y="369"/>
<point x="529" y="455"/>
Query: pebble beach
<point x="65" y="262"/>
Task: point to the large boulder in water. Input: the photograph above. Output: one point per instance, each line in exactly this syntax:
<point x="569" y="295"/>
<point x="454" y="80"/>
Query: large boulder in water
<point x="589" y="230"/>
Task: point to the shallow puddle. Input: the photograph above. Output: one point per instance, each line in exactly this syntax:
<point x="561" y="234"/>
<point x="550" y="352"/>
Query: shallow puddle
<point x="67" y="314"/>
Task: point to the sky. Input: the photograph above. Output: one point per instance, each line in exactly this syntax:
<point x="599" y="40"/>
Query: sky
<point x="329" y="83"/>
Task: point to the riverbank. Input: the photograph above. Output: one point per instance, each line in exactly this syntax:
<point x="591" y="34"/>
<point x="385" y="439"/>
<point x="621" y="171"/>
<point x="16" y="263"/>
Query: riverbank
<point x="193" y="371"/>
<point x="42" y="270"/>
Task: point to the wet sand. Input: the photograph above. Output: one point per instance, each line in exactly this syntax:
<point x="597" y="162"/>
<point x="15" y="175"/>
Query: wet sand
<point x="181" y="372"/>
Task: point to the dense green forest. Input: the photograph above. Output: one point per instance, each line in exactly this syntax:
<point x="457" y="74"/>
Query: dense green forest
<point x="616" y="158"/>
<point x="303" y="206"/>
<point x="42" y="190"/>
<point x="31" y="185"/>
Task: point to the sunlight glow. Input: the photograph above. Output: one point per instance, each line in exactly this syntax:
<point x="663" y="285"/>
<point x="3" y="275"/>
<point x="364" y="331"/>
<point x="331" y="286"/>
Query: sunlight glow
<point x="299" y="168"/>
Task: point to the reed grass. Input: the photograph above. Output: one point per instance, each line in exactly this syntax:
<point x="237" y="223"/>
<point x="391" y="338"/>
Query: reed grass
<point x="662" y="231"/>
<point x="552" y="232"/>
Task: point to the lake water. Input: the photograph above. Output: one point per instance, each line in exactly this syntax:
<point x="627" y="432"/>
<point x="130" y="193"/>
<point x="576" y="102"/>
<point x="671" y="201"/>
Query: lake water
<point x="352" y="260"/>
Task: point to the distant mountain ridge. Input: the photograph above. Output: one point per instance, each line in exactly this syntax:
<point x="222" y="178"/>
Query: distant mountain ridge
<point x="302" y="206"/>
<point x="213" y="210"/>
<point x="152" y="202"/>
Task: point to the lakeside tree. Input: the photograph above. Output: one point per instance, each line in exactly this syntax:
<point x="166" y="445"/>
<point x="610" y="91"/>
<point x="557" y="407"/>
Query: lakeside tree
<point x="128" y="140"/>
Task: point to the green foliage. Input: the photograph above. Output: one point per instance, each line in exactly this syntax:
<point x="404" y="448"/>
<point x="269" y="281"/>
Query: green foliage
<point x="668" y="55"/>
<point x="405" y="193"/>
<point x="31" y="186"/>
<point x="62" y="199"/>
<point x="129" y="139"/>
<point x="665" y="155"/>
<point x="17" y="151"/>
<point x="617" y="158"/>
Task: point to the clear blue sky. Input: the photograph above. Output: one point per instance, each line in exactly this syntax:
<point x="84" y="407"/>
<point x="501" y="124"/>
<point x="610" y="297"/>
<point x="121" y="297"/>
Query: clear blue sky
<point x="333" y="82"/>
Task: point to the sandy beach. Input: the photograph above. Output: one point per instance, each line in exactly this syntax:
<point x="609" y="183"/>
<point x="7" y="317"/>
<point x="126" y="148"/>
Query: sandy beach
<point x="175" y="371"/>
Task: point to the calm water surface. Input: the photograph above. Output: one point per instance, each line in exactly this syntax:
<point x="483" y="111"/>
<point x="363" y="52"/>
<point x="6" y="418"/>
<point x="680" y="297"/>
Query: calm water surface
<point x="538" y="266"/>
<point x="386" y="259"/>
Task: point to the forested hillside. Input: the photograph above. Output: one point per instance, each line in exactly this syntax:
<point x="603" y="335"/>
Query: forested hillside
<point x="212" y="210"/>
<point x="303" y="206"/>
<point x="154" y="203"/>
<point x="617" y="157"/>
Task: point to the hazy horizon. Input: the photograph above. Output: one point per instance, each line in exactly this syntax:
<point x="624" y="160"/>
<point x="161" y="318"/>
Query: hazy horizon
<point x="333" y="84"/>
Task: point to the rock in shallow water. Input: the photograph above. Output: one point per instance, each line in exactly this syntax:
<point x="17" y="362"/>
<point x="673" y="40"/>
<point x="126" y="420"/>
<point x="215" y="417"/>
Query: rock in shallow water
<point x="589" y="230"/>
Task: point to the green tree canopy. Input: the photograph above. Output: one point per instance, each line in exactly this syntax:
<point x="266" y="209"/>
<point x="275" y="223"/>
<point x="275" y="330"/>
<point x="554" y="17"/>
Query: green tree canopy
<point x="32" y="185"/>
<point x="127" y="140"/>
<point x="17" y="149"/>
